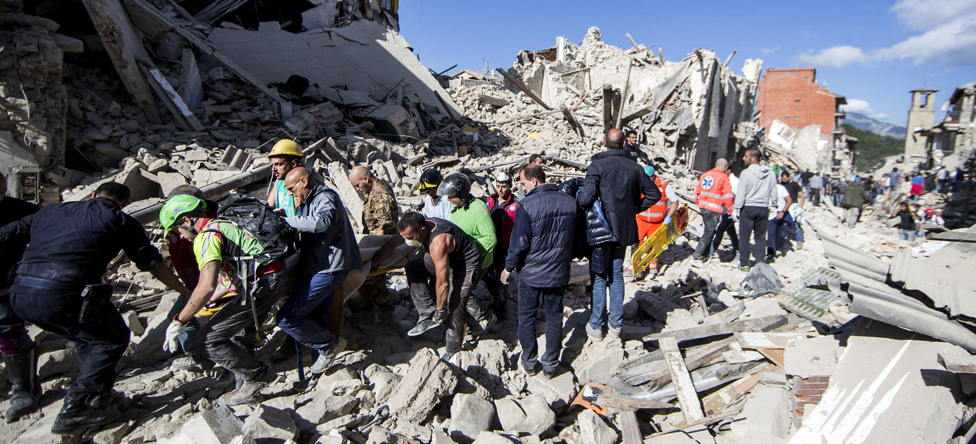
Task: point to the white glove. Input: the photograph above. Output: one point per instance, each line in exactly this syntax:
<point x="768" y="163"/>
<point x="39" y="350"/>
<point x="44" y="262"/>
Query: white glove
<point x="172" y="343"/>
<point x="735" y="215"/>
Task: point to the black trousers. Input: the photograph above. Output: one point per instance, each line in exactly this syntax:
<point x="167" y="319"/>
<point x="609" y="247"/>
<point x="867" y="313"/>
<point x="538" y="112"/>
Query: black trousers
<point x="815" y="196"/>
<point x="752" y="220"/>
<point x="216" y="333"/>
<point x="100" y="344"/>
<point x="552" y="306"/>
<point x="726" y="226"/>
<point x="492" y="279"/>
<point x="461" y="287"/>
<point x="14" y="339"/>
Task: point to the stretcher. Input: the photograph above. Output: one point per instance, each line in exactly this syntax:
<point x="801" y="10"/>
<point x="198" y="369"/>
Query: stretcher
<point x="655" y="244"/>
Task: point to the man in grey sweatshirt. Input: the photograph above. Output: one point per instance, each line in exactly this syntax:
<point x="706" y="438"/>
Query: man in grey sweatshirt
<point x="754" y="197"/>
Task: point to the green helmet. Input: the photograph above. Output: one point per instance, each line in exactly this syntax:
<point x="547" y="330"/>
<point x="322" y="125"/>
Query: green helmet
<point x="177" y="206"/>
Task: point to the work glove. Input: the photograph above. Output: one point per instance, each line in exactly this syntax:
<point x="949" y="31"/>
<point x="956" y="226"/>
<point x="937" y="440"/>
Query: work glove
<point x="667" y="220"/>
<point x="440" y="316"/>
<point x="172" y="343"/>
<point x="735" y="215"/>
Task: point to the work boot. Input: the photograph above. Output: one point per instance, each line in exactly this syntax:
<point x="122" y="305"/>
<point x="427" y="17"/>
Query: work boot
<point x="423" y="325"/>
<point x="593" y="333"/>
<point x="106" y="399"/>
<point x="192" y="363"/>
<point x="325" y="360"/>
<point x="26" y="389"/>
<point x="486" y="323"/>
<point x="76" y="416"/>
<point x="247" y="391"/>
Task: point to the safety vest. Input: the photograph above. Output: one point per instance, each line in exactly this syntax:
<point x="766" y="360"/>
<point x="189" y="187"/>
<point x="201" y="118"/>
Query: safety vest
<point x="714" y="193"/>
<point x="658" y="211"/>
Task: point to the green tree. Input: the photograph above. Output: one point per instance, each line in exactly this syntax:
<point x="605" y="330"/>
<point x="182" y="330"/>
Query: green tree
<point x="872" y="147"/>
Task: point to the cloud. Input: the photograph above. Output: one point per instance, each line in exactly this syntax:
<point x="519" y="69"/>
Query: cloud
<point x="947" y="38"/>
<point x="772" y="50"/>
<point x="863" y="107"/>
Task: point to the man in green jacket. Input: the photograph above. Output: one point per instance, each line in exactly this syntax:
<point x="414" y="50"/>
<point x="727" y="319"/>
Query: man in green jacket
<point x="855" y="198"/>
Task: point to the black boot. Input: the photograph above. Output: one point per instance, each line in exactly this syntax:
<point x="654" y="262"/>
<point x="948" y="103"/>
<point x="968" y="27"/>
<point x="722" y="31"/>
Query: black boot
<point x="77" y="416"/>
<point x="26" y="389"/>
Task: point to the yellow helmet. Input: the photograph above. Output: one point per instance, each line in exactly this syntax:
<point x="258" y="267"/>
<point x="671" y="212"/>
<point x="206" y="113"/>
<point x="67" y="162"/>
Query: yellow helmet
<point x="286" y="147"/>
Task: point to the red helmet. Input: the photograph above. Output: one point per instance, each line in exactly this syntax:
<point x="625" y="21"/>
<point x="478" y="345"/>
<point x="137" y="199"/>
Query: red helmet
<point x="929" y="212"/>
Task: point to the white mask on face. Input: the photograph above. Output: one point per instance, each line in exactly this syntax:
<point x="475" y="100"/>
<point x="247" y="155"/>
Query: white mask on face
<point x="412" y="242"/>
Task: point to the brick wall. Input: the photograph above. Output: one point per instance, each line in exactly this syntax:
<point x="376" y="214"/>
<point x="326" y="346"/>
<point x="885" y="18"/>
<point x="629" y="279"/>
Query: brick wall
<point x="794" y="97"/>
<point x="808" y="391"/>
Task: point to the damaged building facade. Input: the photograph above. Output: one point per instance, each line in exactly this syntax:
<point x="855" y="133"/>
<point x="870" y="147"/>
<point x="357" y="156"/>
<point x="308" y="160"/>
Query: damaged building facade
<point x="802" y="122"/>
<point x="954" y="135"/>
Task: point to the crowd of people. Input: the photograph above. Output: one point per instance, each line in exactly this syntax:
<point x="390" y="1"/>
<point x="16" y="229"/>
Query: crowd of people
<point x="230" y="268"/>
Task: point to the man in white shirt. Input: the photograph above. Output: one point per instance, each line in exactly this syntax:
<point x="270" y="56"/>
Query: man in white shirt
<point x="777" y="219"/>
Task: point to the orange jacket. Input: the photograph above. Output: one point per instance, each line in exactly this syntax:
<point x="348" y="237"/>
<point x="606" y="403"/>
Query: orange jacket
<point x="658" y="211"/>
<point x="714" y="193"/>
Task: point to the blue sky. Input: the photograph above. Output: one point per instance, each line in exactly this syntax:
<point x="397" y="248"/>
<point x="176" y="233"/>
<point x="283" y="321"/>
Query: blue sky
<point x="871" y="52"/>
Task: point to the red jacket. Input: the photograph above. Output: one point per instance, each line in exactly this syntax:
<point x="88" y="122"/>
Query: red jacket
<point x="714" y="192"/>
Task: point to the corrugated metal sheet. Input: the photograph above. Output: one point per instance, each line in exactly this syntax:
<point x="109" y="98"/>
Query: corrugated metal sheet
<point x="810" y="303"/>
<point x="945" y="276"/>
<point x="873" y="298"/>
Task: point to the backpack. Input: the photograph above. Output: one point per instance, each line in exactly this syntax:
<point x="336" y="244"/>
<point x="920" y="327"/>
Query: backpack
<point x="257" y="218"/>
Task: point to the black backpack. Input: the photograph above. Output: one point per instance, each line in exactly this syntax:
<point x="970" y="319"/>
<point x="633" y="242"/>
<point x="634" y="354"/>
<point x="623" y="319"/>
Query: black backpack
<point x="256" y="217"/>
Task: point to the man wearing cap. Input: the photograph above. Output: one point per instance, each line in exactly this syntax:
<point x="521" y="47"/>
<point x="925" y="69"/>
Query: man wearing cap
<point x="219" y="246"/>
<point x="285" y="156"/>
<point x="659" y="214"/>
<point x="434" y="205"/>
<point x="380" y="215"/>
<point x="502" y="207"/>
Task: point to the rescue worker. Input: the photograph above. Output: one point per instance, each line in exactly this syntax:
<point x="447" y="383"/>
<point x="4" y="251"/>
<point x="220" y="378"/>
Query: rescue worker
<point x="659" y="214"/>
<point x="434" y="205"/>
<point x="380" y="215"/>
<point x="714" y="198"/>
<point x="221" y="249"/>
<point x="471" y="216"/>
<point x="285" y="156"/>
<point x="328" y="252"/>
<point x="58" y="288"/>
<point x="456" y="260"/>
<point x="16" y="346"/>
<point x="502" y="206"/>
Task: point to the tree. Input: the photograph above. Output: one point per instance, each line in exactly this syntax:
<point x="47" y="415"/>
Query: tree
<point x="871" y="147"/>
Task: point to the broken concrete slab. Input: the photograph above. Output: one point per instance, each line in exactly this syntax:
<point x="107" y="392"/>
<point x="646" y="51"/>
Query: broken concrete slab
<point x="58" y="362"/>
<point x="394" y="123"/>
<point x="422" y="387"/>
<point x="270" y="423"/>
<point x="218" y="426"/>
<point x="470" y="415"/>
<point x="806" y="357"/>
<point x="594" y="430"/>
<point x="529" y="415"/>
<point x="492" y="438"/>
<point x="350" y="196"/>
<point x="558" y="392"/>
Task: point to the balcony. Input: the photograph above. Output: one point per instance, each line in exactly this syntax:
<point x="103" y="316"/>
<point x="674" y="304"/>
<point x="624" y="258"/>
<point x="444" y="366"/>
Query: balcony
<point x="840" y="114"/>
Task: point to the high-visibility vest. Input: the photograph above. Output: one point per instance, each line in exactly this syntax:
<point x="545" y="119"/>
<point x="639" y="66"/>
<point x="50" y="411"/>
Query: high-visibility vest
<point x="714" y="193"/>
<point x="656" y="212"/>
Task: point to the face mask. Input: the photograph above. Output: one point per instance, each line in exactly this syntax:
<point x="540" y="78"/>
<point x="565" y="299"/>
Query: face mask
<point x="412" y="242"/>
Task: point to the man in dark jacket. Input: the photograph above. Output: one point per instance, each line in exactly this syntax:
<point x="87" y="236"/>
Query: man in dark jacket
<point x="619" y="183"/>
<point x="854" y="199"/>
<point x="329" y="252"/>
<point x="541" y="250"/>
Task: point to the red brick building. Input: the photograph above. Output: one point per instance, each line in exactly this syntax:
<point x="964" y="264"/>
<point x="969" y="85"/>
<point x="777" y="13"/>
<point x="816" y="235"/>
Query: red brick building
<point x="794" y="97"/>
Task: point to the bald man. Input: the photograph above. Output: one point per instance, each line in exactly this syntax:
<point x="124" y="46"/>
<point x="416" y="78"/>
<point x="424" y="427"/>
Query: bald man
<point x="380" y="216"/>
<point x="328" y="252"/>
<point x="618" y="182"/>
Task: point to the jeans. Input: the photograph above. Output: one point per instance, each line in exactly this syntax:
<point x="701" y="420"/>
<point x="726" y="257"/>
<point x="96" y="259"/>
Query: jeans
<point x="100" y="343"/>
<point x="774" y="226"/>
<point x="906" y="235"/>
<point x="726" y="226"/>
<point x="305" y="315"/>
<point x="216" y="333"/>
<point x="614" y="280"/>
<point x="711" y="220"/>
<point x="552" y="308"/>
<point x="14" y="339"/>
<point x="752" y="221"/>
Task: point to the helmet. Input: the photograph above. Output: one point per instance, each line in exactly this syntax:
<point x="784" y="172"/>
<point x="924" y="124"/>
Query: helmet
<point x="286" y="147"/>
<point x="929" y="212"/>
<point x="177" y="206"/>
<point x="503" y="178"/>
<point x="430" y="179"/>
<point x="649" y="170"/>
<point x="455" y="185"/>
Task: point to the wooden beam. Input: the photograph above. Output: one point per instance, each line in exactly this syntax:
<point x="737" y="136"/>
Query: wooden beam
<point x="705" y="421"/>
<point x="729" y="59"/>
<point x="632" y="42"/>
<point x="629" y="429"/>
<point x="124" y="47"/>
<point x="522" y="87"/>
<point x="681" y="380"/>
<point x="720" y="400"/>
<point x="958" y="363"/>
<point x="660" y="53"/>
<point x="955" y="236"/>
<point x="204" y="46"/>
<point x="775" y="355"/>
<point x="653" y="373"/>
<point x="623" y="96"/>
<point x="753" y="324"/>
<point x="621" y="402"/>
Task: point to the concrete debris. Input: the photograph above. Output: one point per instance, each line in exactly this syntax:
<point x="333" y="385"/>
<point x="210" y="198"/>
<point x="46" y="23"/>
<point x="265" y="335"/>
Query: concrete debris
<point x="527" y="415"/>
<point x="594" y="430"/>
<point x="427" y="381"/>
<point x="470" y="415"/>
<point x="270" y="423"/>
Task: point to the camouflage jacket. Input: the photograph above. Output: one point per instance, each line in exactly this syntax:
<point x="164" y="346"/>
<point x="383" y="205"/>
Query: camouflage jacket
<point x="380" y="210"/>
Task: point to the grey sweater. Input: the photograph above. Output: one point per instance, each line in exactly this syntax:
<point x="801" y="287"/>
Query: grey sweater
<point x="757" y="188"/>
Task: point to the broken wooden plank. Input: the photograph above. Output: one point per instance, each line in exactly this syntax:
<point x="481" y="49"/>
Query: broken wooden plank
<point x="609" y="100"/>
<point x="623" y="96"/>
<point x="753" y="324"/>
<point x="629" y="429"/>
<point x="522" y="87"/>
<point x="958" y="363"/>
<point x="124" y="47"/>
<point x="777" y="356"/>
<point x="720" y="400"/>
<point x="706" y="421"/>
<point x="205" y="46"/>
<point x="681" y="379"/>
<point x="632" y="42"/>
<point x="628" y="403"/>
<point x="573" y="123"/>
<point x="184" y="115"/>
<point x="651" y="372"/>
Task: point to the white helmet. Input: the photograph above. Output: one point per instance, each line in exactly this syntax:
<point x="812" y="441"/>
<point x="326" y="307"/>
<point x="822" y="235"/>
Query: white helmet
<point x="503" y="178"/>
